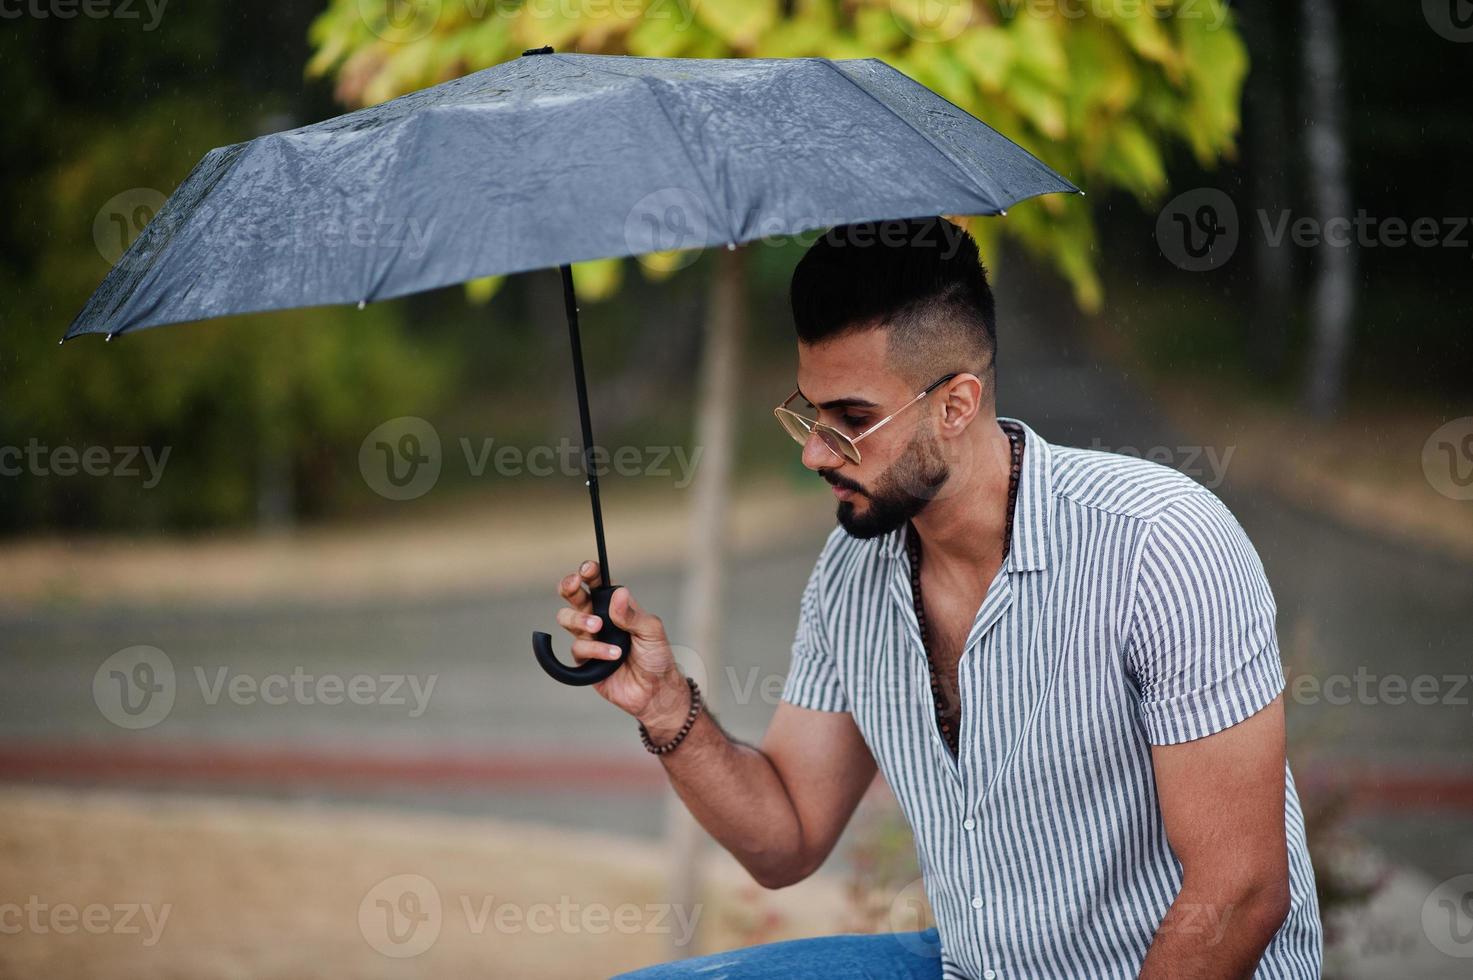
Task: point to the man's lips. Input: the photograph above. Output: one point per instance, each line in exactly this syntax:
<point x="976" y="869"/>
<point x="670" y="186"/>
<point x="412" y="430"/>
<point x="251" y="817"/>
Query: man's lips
<point x="842" y="493"/>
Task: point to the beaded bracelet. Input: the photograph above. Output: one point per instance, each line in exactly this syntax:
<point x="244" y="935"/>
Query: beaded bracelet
<point x="690" y="720"/>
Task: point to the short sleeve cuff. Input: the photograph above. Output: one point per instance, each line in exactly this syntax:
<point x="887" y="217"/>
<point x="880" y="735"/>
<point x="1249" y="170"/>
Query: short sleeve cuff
<point x="1219" y="705"/>
<point x="812" y="684"/>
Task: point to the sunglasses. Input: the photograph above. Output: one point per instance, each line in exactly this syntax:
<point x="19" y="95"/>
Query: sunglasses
<point x="841" y="444"/>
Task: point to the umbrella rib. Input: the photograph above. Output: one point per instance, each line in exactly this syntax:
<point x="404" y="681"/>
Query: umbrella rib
<point x="991" y="192"/>
<point x="690" y="159"/>
<point x="648" y="84"/>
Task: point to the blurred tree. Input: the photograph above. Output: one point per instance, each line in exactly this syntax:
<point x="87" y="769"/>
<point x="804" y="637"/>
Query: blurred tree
<point x="1326" y="151"/>
<point x="1099" y="91"/>
<point x="251" y="413"/>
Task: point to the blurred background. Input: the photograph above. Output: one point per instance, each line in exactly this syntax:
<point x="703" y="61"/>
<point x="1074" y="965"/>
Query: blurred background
<point x="269" y="706"/>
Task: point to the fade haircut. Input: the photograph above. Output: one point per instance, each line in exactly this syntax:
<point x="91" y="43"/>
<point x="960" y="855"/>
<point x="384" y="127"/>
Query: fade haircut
<point x="920" y="279"/>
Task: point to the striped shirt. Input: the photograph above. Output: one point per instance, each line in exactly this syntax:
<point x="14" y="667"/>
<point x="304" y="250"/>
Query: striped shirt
<point x="1131" y="611"/>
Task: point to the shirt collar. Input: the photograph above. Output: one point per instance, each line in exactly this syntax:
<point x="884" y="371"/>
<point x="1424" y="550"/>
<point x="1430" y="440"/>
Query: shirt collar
<point x="1029" y="550"/>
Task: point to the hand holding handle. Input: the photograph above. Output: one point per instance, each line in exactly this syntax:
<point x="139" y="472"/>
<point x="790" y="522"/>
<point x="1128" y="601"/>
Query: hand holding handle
<point x="591" y="671"/>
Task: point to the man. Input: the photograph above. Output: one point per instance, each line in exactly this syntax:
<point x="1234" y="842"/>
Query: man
<point x="1062" y="661"/>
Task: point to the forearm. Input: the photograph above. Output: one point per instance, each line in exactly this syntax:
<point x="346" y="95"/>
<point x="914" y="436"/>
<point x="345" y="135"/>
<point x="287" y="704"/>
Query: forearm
<point x="1216" y="933"/>
<point x="733" y="790"/>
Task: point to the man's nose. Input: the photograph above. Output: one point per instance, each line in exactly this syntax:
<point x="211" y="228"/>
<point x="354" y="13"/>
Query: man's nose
<point x="818" y="456"/>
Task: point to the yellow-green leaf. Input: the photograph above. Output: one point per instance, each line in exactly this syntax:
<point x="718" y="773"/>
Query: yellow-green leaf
<point x="988" y="54"/>
<point x="1040" y="106"/>
<point x="1038" y="50"/>
<point x="598" y="279"/>
<point x="737" y="22"/>
<point x="659" y="38"/>
<point x="480" y="291"/>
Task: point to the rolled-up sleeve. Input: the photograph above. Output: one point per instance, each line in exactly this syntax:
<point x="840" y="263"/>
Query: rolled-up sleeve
<point x="813" y="675"/>
<point x="1202" y="646"/>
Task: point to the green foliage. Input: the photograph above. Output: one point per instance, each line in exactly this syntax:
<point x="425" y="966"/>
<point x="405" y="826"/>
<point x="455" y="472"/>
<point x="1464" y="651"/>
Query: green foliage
<point x="291" y="388"/>
<point x="1101" y="92"/>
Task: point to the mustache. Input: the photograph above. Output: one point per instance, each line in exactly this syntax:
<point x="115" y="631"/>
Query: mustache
<point x="836" y="480"/>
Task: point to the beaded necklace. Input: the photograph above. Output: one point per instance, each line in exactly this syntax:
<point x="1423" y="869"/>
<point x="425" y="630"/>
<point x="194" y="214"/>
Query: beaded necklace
<point x="948" y="718"/>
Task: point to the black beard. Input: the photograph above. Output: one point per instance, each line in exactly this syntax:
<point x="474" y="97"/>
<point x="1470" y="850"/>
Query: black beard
<point x="900" y="493"/>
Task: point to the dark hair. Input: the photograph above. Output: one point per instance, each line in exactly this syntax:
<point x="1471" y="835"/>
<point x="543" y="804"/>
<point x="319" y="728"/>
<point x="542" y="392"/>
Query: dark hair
<point x="920" y="278"/>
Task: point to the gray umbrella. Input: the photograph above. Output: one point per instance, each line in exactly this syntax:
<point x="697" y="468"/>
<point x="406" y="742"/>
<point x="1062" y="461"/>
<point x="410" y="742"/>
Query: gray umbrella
<point x="545" y="161"/>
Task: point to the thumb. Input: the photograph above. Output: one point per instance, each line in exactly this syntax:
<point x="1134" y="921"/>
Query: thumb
<point x="627" y="615"/>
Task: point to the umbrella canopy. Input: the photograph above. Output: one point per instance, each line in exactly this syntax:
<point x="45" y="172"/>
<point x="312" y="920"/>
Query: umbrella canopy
<point x="543" y="161"/>
<point x="552" y="160"/>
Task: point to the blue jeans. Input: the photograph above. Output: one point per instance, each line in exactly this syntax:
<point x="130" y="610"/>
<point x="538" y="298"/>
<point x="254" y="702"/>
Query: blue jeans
<point x="887" y="956"/>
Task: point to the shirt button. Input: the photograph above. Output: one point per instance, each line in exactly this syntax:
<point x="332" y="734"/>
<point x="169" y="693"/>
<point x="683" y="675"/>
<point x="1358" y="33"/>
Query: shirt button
<point x="969" y="824"/>
<point x="989" y="975"/>
<point x="977" y="902"/>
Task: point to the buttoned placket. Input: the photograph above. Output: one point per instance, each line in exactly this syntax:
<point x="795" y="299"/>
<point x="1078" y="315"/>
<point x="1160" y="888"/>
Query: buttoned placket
<point x="964" y="767"/>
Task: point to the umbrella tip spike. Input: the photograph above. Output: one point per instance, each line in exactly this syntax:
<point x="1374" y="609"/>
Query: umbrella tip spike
<point x="362" y="303"/>
<point x="108" y="339"/>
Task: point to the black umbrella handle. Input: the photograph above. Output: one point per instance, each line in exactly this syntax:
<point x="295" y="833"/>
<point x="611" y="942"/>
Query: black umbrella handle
<point x="590" y="671"/>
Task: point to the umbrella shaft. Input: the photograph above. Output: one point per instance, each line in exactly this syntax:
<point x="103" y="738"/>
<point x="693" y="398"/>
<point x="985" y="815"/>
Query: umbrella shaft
<point x="570" y="303"/>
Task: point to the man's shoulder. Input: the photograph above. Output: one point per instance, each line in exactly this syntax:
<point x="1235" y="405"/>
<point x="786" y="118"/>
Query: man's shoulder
<point x="1124" y="485"/>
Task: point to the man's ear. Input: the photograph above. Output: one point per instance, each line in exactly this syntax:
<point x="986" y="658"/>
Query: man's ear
<point x="961" y="402"/>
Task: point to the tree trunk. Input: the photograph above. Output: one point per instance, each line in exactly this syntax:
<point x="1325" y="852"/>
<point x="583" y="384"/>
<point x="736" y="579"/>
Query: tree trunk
<point x="1266" y="123"/>
<point x="1325" y="150"/>
<point x="701" y="607"/>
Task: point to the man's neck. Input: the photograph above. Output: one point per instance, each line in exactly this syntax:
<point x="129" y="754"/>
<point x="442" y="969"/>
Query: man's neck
<point x="961" y="531"/>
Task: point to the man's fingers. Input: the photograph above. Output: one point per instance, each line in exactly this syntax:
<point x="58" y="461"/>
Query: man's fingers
<point x="588" y="571"/>
<point x="577" y="622"/>
<point x="627" y="614"/>
<point x="571" y="589"/>
<point x="594" y="650"/>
